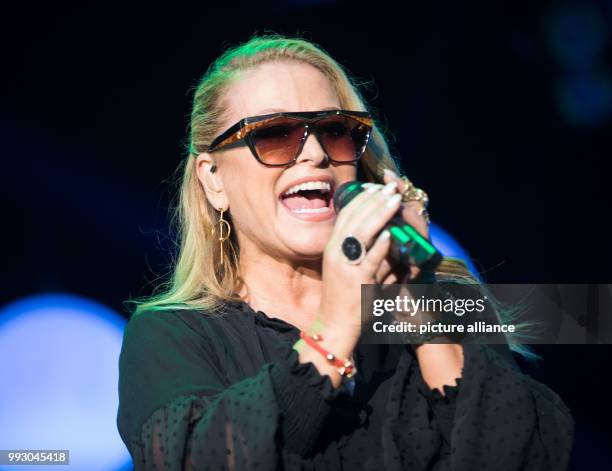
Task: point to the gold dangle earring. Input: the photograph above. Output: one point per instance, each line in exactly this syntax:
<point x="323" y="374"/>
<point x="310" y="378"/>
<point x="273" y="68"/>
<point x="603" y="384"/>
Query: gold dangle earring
<point x="223" y="235"/>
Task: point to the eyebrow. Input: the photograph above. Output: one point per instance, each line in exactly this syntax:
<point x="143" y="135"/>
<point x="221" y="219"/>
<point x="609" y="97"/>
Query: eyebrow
<point x="280" y="110"/>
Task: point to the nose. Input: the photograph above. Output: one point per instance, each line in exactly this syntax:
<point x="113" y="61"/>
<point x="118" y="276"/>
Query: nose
<point x="312" y="151"/>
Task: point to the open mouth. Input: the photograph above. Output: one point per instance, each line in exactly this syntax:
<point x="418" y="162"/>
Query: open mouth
<point x="312" y="197"/>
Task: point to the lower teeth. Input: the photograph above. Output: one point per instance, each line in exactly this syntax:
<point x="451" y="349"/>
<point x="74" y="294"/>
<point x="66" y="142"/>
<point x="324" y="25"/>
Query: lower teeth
<point x="310" y="210"/>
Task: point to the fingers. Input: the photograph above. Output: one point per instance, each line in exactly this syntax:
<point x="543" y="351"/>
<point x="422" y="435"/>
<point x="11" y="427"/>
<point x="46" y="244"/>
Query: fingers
<point x="375" y="260"/>
<point x="363" y="201"/>
<point x="388" y="274"/>
<point x="366" y="216"/>
<point x="412" y="273"/>
<point x="377" y="253"/>
<point x="412" y="211"/>
<point x="389" y="176"/>
<point x="385" y="272"/>
<point x="369" y="214"/>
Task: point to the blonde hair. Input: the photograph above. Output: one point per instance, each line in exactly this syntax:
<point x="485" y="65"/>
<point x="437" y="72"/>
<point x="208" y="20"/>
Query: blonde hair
<point x="199" y="280"/>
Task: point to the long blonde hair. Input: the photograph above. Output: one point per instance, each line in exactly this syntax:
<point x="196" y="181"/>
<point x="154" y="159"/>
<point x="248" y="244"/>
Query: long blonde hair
<point x="199" y="280"/>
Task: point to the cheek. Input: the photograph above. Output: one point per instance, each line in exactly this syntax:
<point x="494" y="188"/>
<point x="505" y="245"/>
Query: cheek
<point x="254" y="202"/>
<point x="348" y="171"/>
<point x="249" y="188"/>
<point x="345" y="174"/>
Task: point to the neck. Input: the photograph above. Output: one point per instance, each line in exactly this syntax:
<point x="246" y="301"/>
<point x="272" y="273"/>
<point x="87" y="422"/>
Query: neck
<point x="287" y="290"/>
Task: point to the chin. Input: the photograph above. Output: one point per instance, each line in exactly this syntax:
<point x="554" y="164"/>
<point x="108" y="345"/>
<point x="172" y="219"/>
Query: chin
<point x="308" y="245"/>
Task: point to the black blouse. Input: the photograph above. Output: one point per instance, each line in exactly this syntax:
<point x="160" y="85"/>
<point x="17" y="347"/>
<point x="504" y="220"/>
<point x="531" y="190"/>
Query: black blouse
<point x="227" y="391"/>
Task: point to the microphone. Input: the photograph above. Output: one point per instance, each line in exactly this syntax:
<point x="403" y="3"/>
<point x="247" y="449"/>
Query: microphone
<point x="408" y="246"/>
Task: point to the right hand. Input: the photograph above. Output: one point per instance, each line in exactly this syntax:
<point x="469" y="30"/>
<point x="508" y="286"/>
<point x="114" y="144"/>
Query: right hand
<point x="338" y="319"/>
<point x="364" y="217"/>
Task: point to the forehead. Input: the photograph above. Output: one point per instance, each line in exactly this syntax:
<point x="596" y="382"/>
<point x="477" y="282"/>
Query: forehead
<point x="279" y="86"/>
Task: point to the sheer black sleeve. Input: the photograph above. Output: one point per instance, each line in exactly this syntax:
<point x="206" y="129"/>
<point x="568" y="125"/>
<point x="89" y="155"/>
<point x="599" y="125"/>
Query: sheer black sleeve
<point x="495" y="418"/>
<point x="178" y="411"/>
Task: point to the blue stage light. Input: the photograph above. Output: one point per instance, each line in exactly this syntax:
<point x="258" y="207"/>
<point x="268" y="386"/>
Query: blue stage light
<point x="576" y="35"/>
<point x="448" y="246"/>
<point x="585" y="99"/>
<point x="59" y="368"/>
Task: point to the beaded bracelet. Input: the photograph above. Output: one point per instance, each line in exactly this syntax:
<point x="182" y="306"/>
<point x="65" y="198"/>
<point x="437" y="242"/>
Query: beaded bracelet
<point x="345" y="367"/>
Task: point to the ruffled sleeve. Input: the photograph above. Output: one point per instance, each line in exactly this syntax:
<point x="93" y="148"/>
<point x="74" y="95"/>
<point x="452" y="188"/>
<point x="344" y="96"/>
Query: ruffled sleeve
<point x="443" y="408"/>
<point x="494" y="418"/>
<point x="507" y="420"/>
<point x="304" y="397"/>
<point x="178" y="411"/>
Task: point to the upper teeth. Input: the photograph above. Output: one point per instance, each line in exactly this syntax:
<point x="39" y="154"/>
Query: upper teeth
<point x="323" y="186"/>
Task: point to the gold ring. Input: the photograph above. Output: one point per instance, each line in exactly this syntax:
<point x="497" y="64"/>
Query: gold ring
<point x="412" y="193"/>
<point x="416" y="194"/>
<point x="408" y="185"/>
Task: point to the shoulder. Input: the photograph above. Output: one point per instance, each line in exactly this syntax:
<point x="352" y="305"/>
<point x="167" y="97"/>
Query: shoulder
<point x="185" y="341"/>
<point x="173" y="320"/>
<point x="183" y="328"/>
<point x="153" y="324"/>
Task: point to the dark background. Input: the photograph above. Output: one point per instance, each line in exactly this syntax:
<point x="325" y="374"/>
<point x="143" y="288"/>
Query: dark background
<point x="501" y="111"/>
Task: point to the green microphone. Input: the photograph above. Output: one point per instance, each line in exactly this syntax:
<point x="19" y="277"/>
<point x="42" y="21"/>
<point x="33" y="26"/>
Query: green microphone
<point x="408" y="246"/>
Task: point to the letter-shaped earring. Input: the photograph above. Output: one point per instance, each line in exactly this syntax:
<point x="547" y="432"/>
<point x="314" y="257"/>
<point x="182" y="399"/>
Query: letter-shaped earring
<point x="223" y="235"/>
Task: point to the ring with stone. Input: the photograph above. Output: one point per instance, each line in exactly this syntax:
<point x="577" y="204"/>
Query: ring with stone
<point x="353" y="249"/>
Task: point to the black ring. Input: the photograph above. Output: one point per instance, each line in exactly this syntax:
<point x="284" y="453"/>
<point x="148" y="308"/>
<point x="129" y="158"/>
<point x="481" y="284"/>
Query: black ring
<point x="353" y="249"/>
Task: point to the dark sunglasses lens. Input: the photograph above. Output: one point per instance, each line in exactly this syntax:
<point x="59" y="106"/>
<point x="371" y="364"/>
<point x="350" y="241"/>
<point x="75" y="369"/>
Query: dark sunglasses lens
<point x="343" y="137"/>
<point x="278" y="142"/>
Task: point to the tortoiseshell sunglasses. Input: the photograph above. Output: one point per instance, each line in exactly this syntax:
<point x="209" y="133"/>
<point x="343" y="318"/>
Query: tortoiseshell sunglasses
<point x="277" y="139"/>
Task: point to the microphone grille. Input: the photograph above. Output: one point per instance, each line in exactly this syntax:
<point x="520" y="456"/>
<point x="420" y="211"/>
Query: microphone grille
<point x="345" y="193"/>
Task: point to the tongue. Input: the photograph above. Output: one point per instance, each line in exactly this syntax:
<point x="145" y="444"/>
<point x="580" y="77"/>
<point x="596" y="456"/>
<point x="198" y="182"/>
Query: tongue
<point x="305" y="201"/>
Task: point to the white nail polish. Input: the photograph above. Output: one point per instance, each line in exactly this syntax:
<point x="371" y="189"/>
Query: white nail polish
<point x="389" y="188"/>
<point x="384" y="234"/>
<point x="372" y="189"/>
<point x="390" y="172"/>
<point x="394" y="200"/>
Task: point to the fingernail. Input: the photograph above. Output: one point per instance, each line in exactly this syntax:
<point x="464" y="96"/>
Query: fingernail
<point x="384" y="234"/>
<point x="373" y="188"/>
<point x="390" y="172"/>
<point x="394" y="200"/>
<point x="367" y="185"/>
<point x="389" y="188"/>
